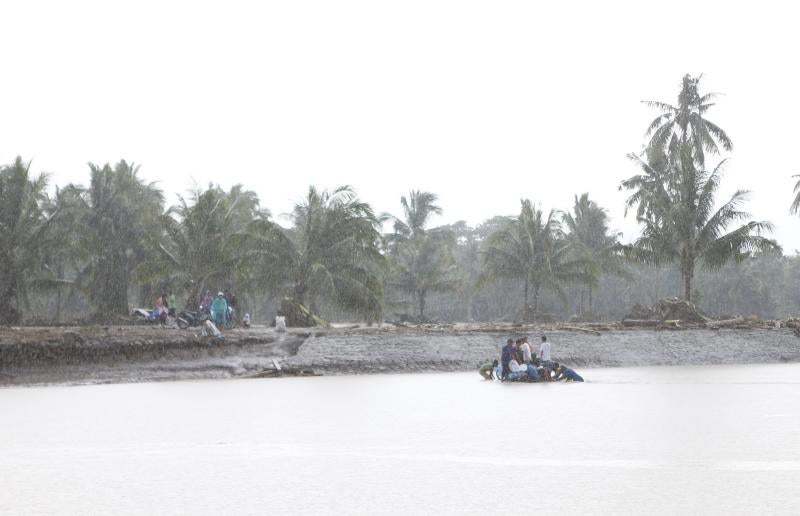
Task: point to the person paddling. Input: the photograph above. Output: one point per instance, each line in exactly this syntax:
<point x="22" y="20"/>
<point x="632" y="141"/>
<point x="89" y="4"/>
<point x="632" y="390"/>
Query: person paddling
<point x="487" y="370"/>
<point x="566" y="374"/>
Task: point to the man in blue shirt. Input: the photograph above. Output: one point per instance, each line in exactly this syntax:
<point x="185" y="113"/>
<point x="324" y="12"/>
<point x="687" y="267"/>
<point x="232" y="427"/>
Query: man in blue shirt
<point x="505" y="357"/>
<point x="566" y="374"/>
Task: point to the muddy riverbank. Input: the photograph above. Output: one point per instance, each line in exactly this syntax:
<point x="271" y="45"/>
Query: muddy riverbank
<point x="136" y="353"/>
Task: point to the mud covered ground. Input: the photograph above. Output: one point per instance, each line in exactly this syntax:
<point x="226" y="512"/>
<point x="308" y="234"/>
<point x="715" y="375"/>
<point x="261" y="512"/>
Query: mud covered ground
<point x="95" y="354"/>
<point x="137" y="353"/>
<point x="453" y="350"/>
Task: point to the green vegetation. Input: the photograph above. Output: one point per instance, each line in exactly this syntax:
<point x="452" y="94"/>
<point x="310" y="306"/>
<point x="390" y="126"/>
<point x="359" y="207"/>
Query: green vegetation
<point x="91" y="253"/>
<point x="421" y="258"/>
<point x="25" y="228"/>
<point x="533" y="249"/>
<point x="675" y="195"/>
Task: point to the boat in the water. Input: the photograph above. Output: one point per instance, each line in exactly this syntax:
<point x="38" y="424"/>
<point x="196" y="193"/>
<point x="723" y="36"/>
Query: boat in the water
<point x="534" y="374"/>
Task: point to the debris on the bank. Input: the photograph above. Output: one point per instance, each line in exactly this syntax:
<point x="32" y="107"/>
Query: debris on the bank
<point x="298" y="315"/>
<point x="671" y="309"/>
<point x="582" y="330"/>
<point x="278" y="371"/>
<point x="678" y="314"/>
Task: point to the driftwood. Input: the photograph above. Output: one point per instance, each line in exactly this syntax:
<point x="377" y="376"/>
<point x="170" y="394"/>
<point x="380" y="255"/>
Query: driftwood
<point x="278" y="373"/>
<point x="583" y="330"/>
<point x="598" y="326"/>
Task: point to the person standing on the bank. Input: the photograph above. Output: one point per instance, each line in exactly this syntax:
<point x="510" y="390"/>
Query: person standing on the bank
<point x="544" y="352"/>
<point x="173" y="304"/>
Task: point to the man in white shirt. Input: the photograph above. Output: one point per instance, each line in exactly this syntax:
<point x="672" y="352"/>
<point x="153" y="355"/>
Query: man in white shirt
<point x="525" y="348"/>
<point x="544" y="352"/>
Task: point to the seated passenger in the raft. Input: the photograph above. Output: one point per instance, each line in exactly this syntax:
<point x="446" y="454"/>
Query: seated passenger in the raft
<point x="542" y="372"/>
<point x="566" y="374"/>
<point x="519" y="372"/>
<point x="487" y="370"/>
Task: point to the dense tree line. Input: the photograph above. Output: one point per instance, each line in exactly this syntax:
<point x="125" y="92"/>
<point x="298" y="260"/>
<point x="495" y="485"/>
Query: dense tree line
<point x="91" y="252"/>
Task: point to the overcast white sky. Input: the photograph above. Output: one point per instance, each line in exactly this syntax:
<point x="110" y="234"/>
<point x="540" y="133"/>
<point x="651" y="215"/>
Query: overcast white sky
<point x="480" y="102"/>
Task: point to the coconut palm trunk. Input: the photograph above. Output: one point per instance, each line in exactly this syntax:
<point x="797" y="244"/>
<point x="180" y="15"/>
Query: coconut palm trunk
<point x="525" y="306"/>
<point x="687" y="274"/>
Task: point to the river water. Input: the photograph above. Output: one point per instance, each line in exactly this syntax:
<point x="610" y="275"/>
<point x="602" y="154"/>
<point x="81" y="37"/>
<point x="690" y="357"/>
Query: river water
<point x="696" y="440"/>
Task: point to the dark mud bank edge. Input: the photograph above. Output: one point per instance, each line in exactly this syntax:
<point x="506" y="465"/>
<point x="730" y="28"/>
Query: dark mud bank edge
<point x="131" y="355"/>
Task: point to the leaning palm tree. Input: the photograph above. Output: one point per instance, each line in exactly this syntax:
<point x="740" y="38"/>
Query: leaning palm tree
<point x="532" y="248"/>
<point x="685" y="123"/>
<point x="681" y="224"/>
<point x="25" y="235"/>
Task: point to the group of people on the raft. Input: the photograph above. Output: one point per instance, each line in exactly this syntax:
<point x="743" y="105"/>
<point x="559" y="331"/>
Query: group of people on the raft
<point x="518" y="362"/>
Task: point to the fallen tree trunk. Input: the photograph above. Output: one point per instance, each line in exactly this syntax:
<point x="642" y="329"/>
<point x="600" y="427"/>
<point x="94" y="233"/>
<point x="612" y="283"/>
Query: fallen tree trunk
<point x="726" y="322"/>
<point x="670" y="325"/>
<point x="299" y="316"/>
<point x="647" y="323"/>
<point x="582" y="330"/>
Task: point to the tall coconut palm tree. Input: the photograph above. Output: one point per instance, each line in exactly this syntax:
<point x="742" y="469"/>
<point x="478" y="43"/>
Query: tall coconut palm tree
<point x="418" y="208"/>
<point x="198" y="249"/>
<point x="421" y="258"/>
<point x="591" y="242"/>
<point x="685" y="123"/>
<point x="532" y="248"/>
<point x="331" y="253"/>
<point x="24" y="235"/>
<point x="681" y="224"/>
<point x="120" y="212"/>
<point x="423" y="265"/>
<point x="67" y="256"/>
